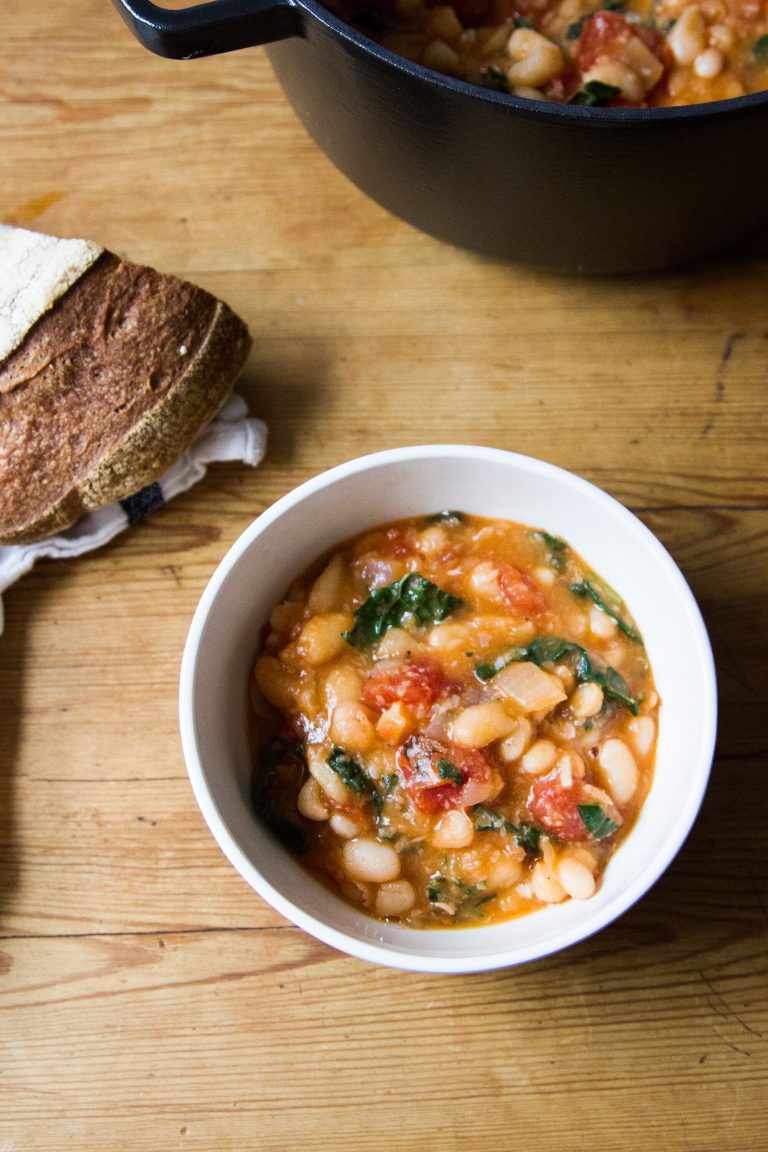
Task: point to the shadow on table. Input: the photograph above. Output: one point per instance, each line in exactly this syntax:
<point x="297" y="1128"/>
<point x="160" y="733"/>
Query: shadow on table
<point x="285" y="393"/>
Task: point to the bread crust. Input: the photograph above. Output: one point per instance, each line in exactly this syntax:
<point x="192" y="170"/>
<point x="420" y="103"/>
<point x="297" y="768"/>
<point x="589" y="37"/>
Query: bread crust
<point x="127" y="452"/>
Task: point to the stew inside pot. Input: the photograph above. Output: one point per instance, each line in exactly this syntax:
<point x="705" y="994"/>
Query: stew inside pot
<point x="627" y="53"/>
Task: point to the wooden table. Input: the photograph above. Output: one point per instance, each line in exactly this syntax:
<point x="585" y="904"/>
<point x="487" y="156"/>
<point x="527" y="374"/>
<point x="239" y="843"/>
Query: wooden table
<point x="150" y="999"/>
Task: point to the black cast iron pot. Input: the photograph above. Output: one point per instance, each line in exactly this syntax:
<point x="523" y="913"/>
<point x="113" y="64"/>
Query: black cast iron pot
<point x="569" y="188"/>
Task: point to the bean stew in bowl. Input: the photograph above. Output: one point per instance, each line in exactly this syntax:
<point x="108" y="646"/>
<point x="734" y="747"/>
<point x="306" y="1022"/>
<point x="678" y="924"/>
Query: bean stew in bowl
<point x="448" y="708"/>
<point x="454" y="721"/>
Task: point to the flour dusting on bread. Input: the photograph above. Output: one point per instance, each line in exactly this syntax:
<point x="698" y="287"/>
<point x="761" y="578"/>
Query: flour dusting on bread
<point x="36" y="271"/>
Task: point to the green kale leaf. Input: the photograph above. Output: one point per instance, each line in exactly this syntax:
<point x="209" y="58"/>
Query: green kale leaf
<point x="594" y="94"/>
<point x="464" y="901"/>
<point x="596" y="822"/>
<point x="585" y="588"/>
<point x="557" y="550"/>
<point x="413" y="596"/>
<point x="495" y="79"/>
<point x="760" y="49"/>
<point x="528" y="836"/>
<point x="349" y="771"/>
<point x="447" y="516"/>
<point x="448" y="771"/>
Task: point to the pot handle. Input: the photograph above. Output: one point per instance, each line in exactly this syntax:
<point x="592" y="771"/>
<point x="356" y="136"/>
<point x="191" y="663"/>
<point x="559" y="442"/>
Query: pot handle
<point x="207" y="29"/>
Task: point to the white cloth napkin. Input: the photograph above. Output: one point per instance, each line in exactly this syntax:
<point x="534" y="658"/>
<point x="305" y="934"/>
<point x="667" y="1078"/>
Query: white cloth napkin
<point x="231" y="435"/>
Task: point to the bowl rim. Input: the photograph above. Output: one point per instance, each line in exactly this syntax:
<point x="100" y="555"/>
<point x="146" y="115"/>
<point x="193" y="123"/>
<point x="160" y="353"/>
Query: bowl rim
<point x="377" y="951"/>
<point x="538" y="110"/>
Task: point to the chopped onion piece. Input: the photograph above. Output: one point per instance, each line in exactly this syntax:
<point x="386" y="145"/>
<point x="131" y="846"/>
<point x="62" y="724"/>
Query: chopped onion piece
<point x="531" y="688"/>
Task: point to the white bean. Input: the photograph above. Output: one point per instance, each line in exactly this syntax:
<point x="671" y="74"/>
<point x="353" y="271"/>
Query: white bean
<point x="601" y="623"/>
<point x="454" y="830"/>
<point x="342" y="683"/>
<point x="587" y="700"/>
<point x="688" y="37"/>
<point x="534" y="60"/>
<point x="576" y="878"/>
<point x="344" y="826"/>
<point x="539" y="758"/>
<point x="578" y="767"/>
<point x="643" y="732"/>
<point x="351" y="726"/>
<point x="512" y="747"/>
<point x="545" y="886"/>
<point x="321" y="637"/>
<point x="484" y="580"/>
<point x="543" y="575"/>
<point x="395" y="898"/>
<point x="481" y="724"/>
<point x="311" y="801"/>
<point x="367" y="859"/>
<point x="327" y="589"/>
<point x="619" y="768"/>
<point x="565" y="769"/>
<point x="709" y="63"/>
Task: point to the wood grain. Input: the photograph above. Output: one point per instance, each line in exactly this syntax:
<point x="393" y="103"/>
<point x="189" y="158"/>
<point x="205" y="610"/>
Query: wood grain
<point x="148" y="997"/>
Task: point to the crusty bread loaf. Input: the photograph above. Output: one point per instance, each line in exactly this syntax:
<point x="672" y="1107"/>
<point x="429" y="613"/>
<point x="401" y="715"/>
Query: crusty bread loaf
<point x="108" y="371"/>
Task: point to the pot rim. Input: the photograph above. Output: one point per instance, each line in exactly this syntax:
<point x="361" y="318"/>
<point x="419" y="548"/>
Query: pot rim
<point x="536" y="110"/>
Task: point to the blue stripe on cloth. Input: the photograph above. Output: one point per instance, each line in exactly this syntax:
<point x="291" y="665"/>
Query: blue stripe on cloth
<point x="139" y="505"/>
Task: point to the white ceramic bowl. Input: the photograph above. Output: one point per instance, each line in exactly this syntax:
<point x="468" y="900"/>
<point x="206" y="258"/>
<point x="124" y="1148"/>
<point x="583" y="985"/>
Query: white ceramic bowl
<point x="255" y="574"/>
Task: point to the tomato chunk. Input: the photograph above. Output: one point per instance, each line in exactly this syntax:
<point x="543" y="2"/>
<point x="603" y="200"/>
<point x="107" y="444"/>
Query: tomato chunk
<point x="555" y="806"/>
<point x="394" y="542"/>
<point x="609" y="34"/>
<point x="521" y="591"/>
<point x="603" y="34"/>
<point x="416" y="683"/>
<point x="440" y="775"/>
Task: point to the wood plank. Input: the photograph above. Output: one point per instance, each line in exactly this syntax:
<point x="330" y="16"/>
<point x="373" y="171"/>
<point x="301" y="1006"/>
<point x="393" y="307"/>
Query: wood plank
<point x="217" y="1031"/>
